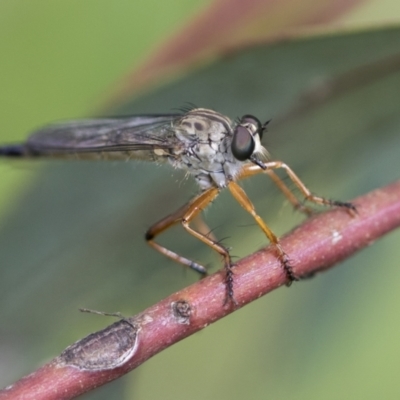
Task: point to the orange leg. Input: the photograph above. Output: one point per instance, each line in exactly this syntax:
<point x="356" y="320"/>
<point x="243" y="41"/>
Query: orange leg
<point x="240" y="195"/>
<point x="250" y="170"/>
<point x="184" y="216"/>
<point x="202" y="227"/>
<point x="163" y="225"/>
<point x="288" y="193"/>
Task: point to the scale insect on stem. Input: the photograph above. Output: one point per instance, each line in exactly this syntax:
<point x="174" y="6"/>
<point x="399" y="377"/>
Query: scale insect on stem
<point x="215" y="150"/>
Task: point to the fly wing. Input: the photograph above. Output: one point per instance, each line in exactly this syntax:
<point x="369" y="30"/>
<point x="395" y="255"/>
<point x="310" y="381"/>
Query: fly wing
<point x="139" y="134"/>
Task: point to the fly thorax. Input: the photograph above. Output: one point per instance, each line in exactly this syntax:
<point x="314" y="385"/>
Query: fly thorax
<point x="204" y="134"/>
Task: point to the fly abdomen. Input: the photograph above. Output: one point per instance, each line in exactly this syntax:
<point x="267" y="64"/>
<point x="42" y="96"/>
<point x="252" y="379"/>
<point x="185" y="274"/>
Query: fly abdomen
<point x="14" y="150"/>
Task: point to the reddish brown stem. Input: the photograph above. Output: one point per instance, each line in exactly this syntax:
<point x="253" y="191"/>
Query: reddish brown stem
<point x="318" y="244"/>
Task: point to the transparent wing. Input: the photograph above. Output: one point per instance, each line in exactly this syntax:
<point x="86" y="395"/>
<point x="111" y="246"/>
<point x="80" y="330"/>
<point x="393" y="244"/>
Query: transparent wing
<point x="145" y="132"/>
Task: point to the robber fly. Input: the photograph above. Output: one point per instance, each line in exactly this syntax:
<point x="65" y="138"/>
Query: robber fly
<point x="215" y="150"/>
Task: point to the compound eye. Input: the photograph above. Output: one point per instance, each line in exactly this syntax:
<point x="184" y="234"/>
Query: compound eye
<point x="242" y="143"/>
<point x="250" y="120"/>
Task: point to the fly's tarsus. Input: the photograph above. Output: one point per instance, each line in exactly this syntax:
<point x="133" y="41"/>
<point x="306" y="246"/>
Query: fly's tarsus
<point x="288" y="269"/>
<point x="229" y="281"/>
<point x="343" y="204"/>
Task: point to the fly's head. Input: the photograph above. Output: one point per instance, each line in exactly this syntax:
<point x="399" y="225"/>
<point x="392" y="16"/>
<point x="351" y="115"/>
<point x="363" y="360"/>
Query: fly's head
<point x="246" y="140"/>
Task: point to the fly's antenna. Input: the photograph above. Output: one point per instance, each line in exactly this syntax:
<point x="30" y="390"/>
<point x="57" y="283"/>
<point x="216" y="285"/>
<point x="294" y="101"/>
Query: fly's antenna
<point x="264" y="127"/>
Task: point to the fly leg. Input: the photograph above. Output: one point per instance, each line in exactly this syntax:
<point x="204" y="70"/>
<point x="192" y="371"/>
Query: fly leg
<point x="185" y="216"/>
<point x="250" y="170"/>
<point x="298" y="205"/>
<point x="163" y="225"/>
<point x="241" y="197"/>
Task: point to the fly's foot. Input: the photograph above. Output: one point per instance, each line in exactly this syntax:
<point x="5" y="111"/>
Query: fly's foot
<point x="229" y="285"/>
<point x="349" y="206"/>
<point x="291" y="277"/>
<point x="287" y="268"/>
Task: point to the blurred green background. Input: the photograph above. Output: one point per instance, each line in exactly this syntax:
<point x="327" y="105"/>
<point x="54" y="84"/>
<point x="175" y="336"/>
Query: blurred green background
<point x="71" y="234"/>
